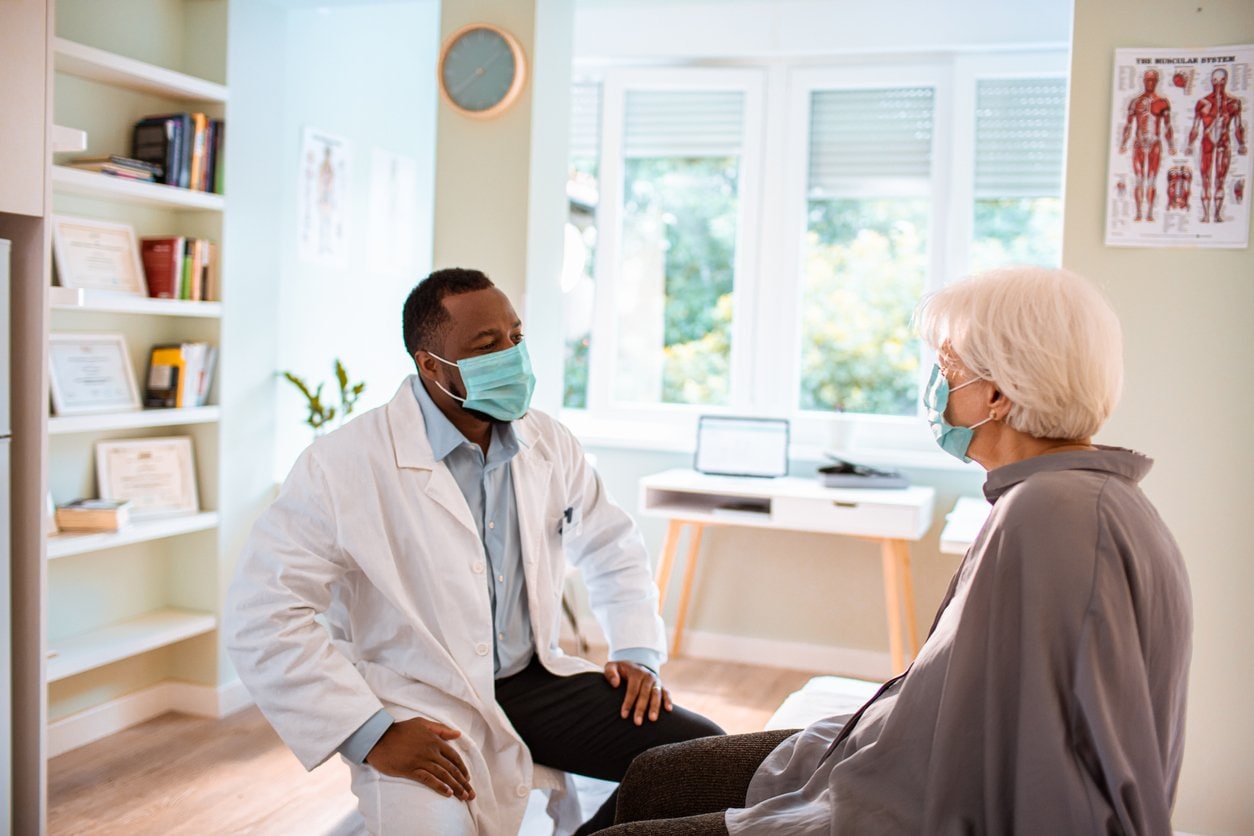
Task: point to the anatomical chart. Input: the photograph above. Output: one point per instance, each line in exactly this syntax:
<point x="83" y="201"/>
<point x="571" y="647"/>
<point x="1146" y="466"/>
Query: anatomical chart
<point x="1180" y="165"/>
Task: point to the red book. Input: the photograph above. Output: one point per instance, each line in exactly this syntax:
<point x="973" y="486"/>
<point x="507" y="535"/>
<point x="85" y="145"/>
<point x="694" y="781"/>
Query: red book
<point x="163" y="265"/>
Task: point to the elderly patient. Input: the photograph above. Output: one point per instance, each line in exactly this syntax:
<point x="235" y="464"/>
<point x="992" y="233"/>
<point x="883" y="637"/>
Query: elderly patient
<point x="1049" y="697"/>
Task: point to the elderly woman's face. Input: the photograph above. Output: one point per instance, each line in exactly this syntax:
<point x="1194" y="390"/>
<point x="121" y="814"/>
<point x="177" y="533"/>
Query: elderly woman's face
<point x="964" y="407"/>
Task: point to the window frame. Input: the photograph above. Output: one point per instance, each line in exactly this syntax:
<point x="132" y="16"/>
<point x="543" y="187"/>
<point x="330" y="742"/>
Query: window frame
<point x="765" y="366"/>
<point x="615" y="84"/>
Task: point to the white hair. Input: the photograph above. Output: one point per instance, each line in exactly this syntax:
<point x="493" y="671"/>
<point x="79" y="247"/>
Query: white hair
<point x="1047" y="338"/>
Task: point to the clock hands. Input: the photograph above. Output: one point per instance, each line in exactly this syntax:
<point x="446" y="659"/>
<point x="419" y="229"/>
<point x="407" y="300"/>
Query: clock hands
<point x="476" y="75"/>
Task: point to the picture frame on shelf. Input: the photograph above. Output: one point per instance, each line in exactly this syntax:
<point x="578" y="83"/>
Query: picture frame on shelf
<point x="90" y="373"/>
<point x="91" y="254"/>
<point x="157" y="475"/>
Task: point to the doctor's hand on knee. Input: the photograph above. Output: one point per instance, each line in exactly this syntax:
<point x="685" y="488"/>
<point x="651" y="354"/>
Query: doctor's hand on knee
<point x="416" y="749"/>
<point x="644" y="691"/>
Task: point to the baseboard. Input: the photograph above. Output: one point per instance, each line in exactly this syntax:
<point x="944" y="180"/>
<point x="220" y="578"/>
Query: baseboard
<point x="232" y="697"/>
<point x="113" y="716"/>
<point x="799" y="656"/>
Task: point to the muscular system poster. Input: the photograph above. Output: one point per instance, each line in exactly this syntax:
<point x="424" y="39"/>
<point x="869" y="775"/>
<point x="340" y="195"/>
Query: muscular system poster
<point x="1179" y="173"/>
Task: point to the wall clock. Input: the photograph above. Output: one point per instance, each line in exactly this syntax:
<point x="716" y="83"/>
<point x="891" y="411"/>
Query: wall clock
<point x="482" y="70"/>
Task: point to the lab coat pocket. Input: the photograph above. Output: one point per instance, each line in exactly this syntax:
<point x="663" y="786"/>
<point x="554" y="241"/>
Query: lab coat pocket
<point x="570" y="524"/>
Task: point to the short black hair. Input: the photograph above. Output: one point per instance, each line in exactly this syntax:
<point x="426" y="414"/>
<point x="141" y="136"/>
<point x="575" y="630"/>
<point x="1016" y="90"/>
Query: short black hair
<point x="425" y="316"/>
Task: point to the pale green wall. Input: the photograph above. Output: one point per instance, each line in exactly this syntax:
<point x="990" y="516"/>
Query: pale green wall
<point x="1187" y="316"/>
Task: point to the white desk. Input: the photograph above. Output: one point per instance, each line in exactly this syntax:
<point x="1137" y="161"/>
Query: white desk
<point x="889" y="517"/>
<point x="963" y="524"/>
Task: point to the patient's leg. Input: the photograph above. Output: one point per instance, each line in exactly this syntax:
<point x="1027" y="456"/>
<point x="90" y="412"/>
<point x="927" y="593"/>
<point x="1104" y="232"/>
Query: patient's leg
<point x="692" y="782"/>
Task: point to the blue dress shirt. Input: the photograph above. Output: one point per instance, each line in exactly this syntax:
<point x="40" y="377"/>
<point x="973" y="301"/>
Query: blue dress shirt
<point x="488" y="486"/>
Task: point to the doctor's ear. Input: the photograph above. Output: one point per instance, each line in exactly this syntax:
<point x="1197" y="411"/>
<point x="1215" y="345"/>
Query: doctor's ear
<point x="425" y="364"/>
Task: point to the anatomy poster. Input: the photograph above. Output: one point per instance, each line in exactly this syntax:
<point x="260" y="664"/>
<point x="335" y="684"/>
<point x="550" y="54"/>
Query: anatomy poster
<point x="1179" y="173"/>
<point x="323" y="197"/>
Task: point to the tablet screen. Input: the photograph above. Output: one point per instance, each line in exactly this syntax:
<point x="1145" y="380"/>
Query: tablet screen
<point x="742" y="446"/>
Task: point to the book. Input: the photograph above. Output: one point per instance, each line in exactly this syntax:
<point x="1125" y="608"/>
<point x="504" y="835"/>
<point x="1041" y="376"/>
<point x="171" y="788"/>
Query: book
<point x="180" y="375"/>
<point x="118" y="166"/>
<point x="845" y="474"/>
<point x="185" y="274"/>
<point x="219" y="142"/>
<point x="200" y="127"/>
<point x="213" y="277"/>
<point x="93" y="515"/>
<point x="159" y="140"/>
<point x="162" y="258"/>
<point x="167" y="373"/>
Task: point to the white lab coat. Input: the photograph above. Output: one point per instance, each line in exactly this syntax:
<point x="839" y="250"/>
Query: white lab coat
<point x="370" y="531"/>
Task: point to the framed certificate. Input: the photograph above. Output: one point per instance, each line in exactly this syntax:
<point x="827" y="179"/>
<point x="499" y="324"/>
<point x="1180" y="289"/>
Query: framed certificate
<point x="90" y="373"/>
<point x="97" y="255"/>
<point x="157" y="475"/>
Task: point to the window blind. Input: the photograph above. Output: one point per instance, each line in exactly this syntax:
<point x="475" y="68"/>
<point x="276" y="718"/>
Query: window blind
<point x="1019" y="140"/>
<point x="665" y="123"/>
<point x="861" y="134"/>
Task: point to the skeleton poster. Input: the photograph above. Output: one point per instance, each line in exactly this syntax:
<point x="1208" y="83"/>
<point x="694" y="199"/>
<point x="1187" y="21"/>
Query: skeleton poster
<point x="1179" y="173"/>
<point x="323" y="198"/>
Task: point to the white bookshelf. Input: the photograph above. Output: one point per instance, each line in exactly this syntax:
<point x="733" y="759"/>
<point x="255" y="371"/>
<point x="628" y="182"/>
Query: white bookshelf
<point x="102" y="301"/>
<point x="66" y="180"/>
<point x="180" y="417"/>
<point x="119" y="71"/>
<point x="66" y="545"/>
<point x="168" y="553"/>
<point x="125" y="639"/>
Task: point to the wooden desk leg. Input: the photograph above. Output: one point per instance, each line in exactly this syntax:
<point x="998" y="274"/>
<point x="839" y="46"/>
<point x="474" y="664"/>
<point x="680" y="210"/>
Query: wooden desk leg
<point x="694" y="546"/>
<point x="666" y="560"/>
<point x="907" y="594"/>
<point x="892" y="604"/>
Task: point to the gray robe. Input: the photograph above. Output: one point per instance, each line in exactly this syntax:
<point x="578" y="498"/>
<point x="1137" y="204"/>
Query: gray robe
<point x="1049" y="697"/>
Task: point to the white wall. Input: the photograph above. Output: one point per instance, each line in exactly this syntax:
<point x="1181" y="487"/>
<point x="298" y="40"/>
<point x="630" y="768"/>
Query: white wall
<point x="366" y="73"/>
<point x="1187" y="316"/>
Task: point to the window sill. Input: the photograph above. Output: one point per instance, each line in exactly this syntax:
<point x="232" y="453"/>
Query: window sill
<point x="671" y="436"/>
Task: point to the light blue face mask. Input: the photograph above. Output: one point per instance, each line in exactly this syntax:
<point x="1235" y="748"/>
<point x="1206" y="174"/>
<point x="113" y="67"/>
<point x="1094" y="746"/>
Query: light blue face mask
<point x="497" y="384"/>
<point x="953" y="440"/>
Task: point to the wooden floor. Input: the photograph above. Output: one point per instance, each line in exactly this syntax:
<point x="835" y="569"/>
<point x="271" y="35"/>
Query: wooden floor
<point x="187" y="775"/>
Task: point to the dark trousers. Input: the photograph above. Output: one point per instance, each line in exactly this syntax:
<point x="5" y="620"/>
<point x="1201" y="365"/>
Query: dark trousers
<point x="572" y="723"/>
<point x="684" y="789"/>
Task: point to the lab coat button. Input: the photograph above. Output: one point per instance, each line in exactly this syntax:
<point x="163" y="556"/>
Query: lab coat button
<point x="522" y="791"/>
<point x="478" y="567"/>
<point x="481" y="649"/>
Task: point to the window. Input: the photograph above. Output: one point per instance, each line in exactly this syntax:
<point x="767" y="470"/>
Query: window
<point x="865" y="259"/>
<point x="1019" y="142"/>
<point x="757" y="238"/>
<point x="677" y="254"/>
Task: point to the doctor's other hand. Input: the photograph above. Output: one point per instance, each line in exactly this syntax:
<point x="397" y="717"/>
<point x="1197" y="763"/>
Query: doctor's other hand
<point x="416" y="749"/>
<point x="644" y="692"/>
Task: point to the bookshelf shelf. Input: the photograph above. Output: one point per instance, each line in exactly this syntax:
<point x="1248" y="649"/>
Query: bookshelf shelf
<point x="67" y="424"/>
<point x="125" y="639"/>
<point x="108" y="68"/>
<point x="74" y="299"/>
<point x="66" y="180"/>
<point x="66" y="545"/>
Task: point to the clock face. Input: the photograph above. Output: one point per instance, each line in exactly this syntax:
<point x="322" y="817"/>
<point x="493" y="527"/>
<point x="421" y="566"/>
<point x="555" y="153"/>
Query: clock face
<point x="481" y="70"/>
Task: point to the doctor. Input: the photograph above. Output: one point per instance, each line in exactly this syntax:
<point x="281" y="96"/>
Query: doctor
<point x="432" y="534"/>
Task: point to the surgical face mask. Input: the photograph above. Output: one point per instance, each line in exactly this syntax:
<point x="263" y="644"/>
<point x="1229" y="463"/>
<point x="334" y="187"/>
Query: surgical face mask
<point x="497" y="384"/>
<point x="953" y="440"/>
